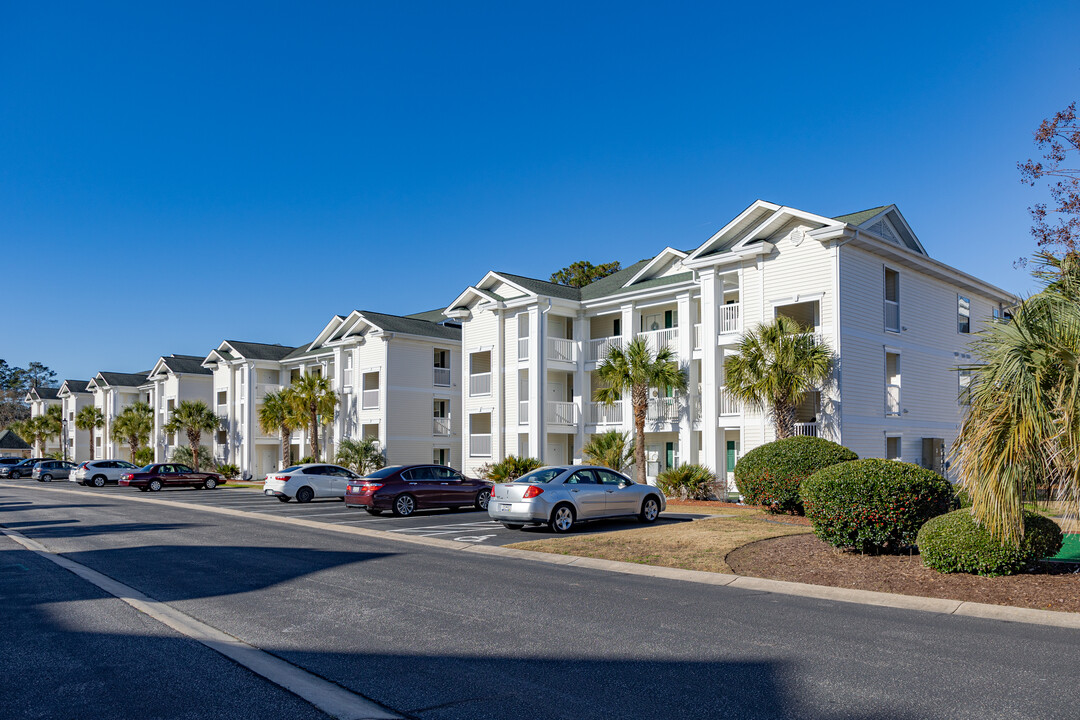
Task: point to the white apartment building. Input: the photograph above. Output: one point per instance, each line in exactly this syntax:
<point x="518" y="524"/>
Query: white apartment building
<point x="74" y="396"/>
<point x="112" y="393"/>
<point x="395" y="376"/>
<point x="898" y="321"/>
<point x="40" y="399"/>
<point x="174" y="379"/>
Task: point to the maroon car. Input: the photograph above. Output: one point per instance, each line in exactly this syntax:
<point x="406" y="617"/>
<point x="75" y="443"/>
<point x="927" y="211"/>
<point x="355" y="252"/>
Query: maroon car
<point x="159" y="475"/>
<point x="404" y="489"/>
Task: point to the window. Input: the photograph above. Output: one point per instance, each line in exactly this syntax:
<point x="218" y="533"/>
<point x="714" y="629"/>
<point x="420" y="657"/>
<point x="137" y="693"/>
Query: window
<point x="892" y="448"/>
<point x="964" y="390"/>
<point x="581" y="477"/>
<point x="441" y="456"/>
<point x="963" y="314"/>
<point x="892" y="383"/>
<point x="609" y="477"/>
<point x="442" y="368"/>
<point x="892" y="300"/>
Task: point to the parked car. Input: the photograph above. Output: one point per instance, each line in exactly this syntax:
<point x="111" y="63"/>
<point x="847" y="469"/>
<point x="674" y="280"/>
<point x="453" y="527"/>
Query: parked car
<point x="307" y="482"/>
<point x="47" y="470"/>
<point x="155" y="476"/>
<point x="20" y="469"/>
<point x="562" y="496"/>
<point x="404" y="489"/>
<point x="99" y="473"/>
<point x="8" y="461"/>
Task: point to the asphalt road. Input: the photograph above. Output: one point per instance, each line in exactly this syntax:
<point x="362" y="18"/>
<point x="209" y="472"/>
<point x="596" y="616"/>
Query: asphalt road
<point x="438" y="633"/>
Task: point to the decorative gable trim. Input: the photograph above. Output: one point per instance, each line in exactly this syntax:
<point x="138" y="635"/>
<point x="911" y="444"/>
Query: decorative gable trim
<point x="663" y="256"/>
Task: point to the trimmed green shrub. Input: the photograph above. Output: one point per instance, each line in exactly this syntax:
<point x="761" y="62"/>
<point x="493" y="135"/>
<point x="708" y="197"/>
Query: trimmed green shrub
<point x="873" y="505"/>
<point x="770" y="475"/>
<point x="229" y="471"/>
<point x="956" y="543"/>
<point x="144" y="456"/>
<point x="691" y="482"/>
<point x="510" y="468"/>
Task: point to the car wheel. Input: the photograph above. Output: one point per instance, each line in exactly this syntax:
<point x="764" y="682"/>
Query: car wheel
<point x="373" y="511"/>
<point x="562" y="519"/>
<point x="304" y="495"/>
<point x="513" y="526"/>
<point x="46" y="478"/>
<point x="14" y="476"/>
<point x="404" y="505"/>
<point x="650" y="509"/>
<point x="210" y="483"/>
<point x="283" y="498"/>
<point x="98" y="481"/>
<point x="154" y="486"/>
<point x="482" y="499"/>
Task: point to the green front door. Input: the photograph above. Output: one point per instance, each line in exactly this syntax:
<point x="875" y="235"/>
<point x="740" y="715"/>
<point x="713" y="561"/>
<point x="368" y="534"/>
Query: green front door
<point x="670" y="455"/>
<point x="731" y="456"/>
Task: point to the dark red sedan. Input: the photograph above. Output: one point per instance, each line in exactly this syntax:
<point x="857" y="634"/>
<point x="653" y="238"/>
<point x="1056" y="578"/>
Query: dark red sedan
<point x="159" y="475"/>
<point x="404" y="489"/>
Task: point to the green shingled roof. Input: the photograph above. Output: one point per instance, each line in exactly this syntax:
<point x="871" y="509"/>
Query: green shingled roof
<point x="186" y="364"/>
<point x="542" y="287"/>
<point x="10" y="441"/>
<point x="45" y="393"/>
<point x="114" y="379"/>
<point x="434" y="316"/>
<point x="260" y="351"/>
<point x="76" y="386"/>
<point x="412" y="326"/>
<point x="860" y="217"/>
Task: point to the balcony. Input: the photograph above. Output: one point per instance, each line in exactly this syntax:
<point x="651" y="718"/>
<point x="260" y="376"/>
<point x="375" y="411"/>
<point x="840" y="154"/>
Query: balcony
<point x="697" y="337"/>
<point x="664" y="409"/>
<point x="729" y="318"/>
<point x="600" y="347"/>
<point x="805" y="429"/>
<point x="695" y="408"/>
<point x="370" y="399"/>
<point x="604" y="414"/>
<point x="561" y="350"/>
<point x="523" y="348"/>
<point x="479" y="384"/>
<point x="657" y="339"/>
<point x="562" y="413"/>
<point x="480" y="445"/>
<point x="442" y="377"/>
<point x="892" y="399"/>
<point x="523" y="412"/>
<point x="440" y="426"/>
<point x="728" y="404"/>
<point x="264" y="389"/>
<point x="346" y="378"/>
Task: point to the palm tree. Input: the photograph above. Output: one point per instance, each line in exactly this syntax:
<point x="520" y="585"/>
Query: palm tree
<point x="134" y="426"/>
<point x="362" y="456"/>
<point x="635" y="370"/>
<point x="315" y="401"/>
<point x="611" y="449"/>
<point x="194" y="417"/>
<point x="55" y="414"/>
<point x="1022" y="431"/>
<point x="278" y="414"/>
<point x="90" y="418"/>
<point x="777" y="364"/>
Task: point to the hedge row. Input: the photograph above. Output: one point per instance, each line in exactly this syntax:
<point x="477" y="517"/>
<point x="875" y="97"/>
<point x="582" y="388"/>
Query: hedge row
<point x="770" y="475"/>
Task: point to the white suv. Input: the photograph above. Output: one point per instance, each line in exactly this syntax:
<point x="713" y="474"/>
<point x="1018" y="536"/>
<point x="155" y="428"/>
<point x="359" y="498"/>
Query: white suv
<point x="305" y="482"/>
<point x="98" y="473"/>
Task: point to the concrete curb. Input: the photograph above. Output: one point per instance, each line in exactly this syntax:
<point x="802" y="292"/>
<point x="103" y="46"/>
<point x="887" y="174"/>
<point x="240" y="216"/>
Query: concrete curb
<point x="1053" y="618"/>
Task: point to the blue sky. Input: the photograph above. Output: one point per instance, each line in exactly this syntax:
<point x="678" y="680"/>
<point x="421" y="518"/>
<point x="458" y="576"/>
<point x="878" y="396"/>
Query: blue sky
<point x="171" y="176"/>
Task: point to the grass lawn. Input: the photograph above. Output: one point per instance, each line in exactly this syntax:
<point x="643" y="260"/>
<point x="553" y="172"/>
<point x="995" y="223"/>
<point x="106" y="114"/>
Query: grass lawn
<point x="698" y="545"/>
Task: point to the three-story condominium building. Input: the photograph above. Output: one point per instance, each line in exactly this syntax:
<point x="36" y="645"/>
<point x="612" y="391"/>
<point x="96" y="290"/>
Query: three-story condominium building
<point x="174" y="379"/>
<point x="40" y="400"/>
<point x="74" y="396"/>
<point x="898" y="321"/>
<point x="112" y="393"/>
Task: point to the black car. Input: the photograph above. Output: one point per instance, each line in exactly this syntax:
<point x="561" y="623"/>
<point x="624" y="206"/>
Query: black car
<point x="22" y="469"/>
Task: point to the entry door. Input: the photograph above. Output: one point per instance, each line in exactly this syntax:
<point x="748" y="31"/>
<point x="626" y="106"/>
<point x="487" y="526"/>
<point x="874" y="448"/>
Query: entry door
<point x="731" y="456"/>
<point x="652" y="460"/>
<point x="556" y="454"/>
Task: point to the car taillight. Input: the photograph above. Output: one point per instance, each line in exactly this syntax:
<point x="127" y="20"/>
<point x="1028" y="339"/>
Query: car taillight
<point x="282" y="478"/>
<point x="533" y="491"/>
<point x="369" y="488"/>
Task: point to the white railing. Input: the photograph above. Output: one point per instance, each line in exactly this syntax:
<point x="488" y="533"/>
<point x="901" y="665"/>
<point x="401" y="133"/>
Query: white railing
<point x="729" y="319"/>
<point x="728" y="403"/>
<point x="480" y="445"/>
<point x="440" y="426"/>
<point x="264" y="389"/>
<point x="523" y="412"/>
<point x="665" y="409"/>
<point x="479" y="384"/>
<point x="441" y="377"/>
<point x="892" y="399"/>
<point x="347" y="377"/>
<point x="695" y="408"/>
<point x="561" y="349"/>
<point x="892" y="315"/>
<point x="370" y="400"/>
<point x="805" y="429"/>
<point x="523" y="348"/>
<point x="600" y="347"/>
<point x="604" y="414"/>
<point x="657" y="339"/>
<point x="561" y="413"/>
<point x="697" y="336"/>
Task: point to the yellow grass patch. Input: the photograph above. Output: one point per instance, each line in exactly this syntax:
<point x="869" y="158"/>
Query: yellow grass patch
<point x="697" y="545"/>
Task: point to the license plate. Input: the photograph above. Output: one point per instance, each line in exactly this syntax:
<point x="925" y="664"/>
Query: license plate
<point x="504" y="507"/>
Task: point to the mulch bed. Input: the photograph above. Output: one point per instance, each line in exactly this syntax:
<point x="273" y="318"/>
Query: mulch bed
<point x="806" y="559"/>
<point x="675" y="502"/>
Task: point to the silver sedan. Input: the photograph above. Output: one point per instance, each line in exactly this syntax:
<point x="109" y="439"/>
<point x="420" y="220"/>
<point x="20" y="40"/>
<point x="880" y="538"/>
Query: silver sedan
<point x="560" y="496"/>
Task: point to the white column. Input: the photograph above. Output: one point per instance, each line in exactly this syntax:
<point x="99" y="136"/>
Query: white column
<point x="248" y="436"/>
<point x="686" y="353"/>
<point x="710" y="299"/>
<point x="537" y="381"/>
<point x="582" y="392"/>
<point x="498" y="388"/>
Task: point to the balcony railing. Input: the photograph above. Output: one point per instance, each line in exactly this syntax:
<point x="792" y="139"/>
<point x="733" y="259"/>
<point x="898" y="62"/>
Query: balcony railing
<point x="561" y="349"/>
<point x="523" y="348"/>
<point x="604" y="414"/>
<point x="892" y="399"/>
<point x="264" y="389"/>
<point x="728" y="404"/>
<point x="665" y="409"/>
<point x="480" y="445"/>
<point x="479" y="384"/>
<point x="523" y="412"/>
<point x="600" y="347"/>
<point x="346" y="377"/>
<point x="657" y="339"/>
<point x="440" y="426"/>
<point x="370" y="399"/>
<point x="695" y="408"/>
<point x="697" y="336"/>
<point x="729" y="319"/>
<point x="441" y="377"/>
<point x="805" y="429"/>
<point x="562" y="413"/>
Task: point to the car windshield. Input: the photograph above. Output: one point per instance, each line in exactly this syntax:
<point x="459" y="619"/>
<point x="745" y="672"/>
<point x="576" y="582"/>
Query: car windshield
<point x="543" y="475"/>
<point x="385" y="472"/>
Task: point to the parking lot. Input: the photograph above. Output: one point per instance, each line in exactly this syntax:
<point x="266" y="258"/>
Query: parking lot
<point x="461" y="525"/>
